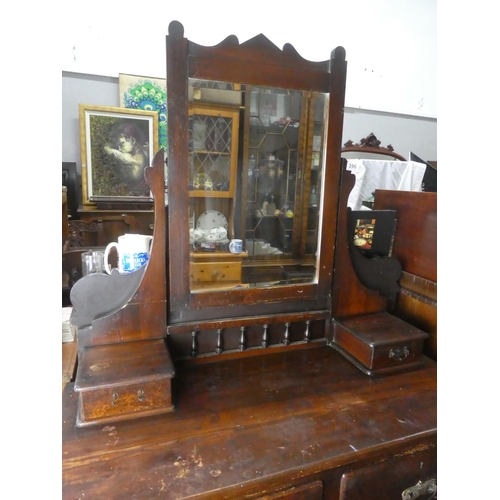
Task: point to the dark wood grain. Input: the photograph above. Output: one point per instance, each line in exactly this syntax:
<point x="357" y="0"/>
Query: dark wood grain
<point x="415" y="246"/>
<point x="254" y="62"/>
<point x="123" y="380"/>
<point x="380" y="341"/>
<point x="417" y="304"/>
<point x="254" y="421"/>
<point x="253" y="426"/>
<point x="349" y="295"/>
<point x="415" y="241"/>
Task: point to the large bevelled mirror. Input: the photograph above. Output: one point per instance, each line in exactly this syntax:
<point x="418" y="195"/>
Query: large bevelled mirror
<point x="254" y="185"/>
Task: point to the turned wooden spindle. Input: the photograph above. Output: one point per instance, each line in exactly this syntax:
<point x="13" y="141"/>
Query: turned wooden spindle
<point x="265" y="341"/>
<point x="306" y="333"/>
<point x="219" y="347"/>
<point x="194" y="344"/>
<point x="242" y="346"/>
<point x="286" y="339"/>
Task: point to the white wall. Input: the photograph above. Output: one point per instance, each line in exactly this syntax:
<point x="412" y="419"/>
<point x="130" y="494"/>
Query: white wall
<point x="390" y="44"/>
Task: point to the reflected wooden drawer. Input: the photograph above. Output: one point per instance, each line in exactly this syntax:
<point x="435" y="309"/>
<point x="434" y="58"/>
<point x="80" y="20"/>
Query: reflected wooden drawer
<point x="215" y="272"/>
<point x="217" y="267"/>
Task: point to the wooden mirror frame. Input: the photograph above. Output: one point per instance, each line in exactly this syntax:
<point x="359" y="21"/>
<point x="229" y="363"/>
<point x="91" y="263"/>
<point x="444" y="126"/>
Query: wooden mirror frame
<point x="254" y="62"/>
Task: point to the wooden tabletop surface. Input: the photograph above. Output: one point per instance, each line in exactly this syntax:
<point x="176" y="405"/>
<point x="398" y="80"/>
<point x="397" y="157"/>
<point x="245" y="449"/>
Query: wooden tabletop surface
<point x="238" y="421"/>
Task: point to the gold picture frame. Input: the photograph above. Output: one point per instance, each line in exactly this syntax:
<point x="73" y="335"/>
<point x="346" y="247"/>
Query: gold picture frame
<point x="116" y="145"/>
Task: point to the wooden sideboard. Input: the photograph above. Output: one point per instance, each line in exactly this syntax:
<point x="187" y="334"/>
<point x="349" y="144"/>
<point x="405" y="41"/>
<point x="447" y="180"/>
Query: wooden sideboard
<point x="115" y="223"/>
<point x="294" y="424"/>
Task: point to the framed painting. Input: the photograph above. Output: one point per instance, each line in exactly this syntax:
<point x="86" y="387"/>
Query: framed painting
<point x="150" y="94"/>
<point x="116" y="146"/>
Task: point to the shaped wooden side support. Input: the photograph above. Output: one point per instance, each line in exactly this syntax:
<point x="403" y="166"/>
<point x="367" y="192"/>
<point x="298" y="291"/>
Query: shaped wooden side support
<point x="349" y="295"/>
<point x="363" y="331"/>
<point x="142" y="315"/>
<point x="124" y="367"/>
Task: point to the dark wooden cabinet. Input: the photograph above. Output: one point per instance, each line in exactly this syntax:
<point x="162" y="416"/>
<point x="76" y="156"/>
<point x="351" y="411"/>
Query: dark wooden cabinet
<point x="114" y="223"/>
<point x="391" y="478"/>
<point x="296" y="423"/>
<point x="257" y="403"/>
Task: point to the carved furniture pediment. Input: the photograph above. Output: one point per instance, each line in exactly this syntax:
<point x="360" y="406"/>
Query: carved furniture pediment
<point x="370" y="144"/>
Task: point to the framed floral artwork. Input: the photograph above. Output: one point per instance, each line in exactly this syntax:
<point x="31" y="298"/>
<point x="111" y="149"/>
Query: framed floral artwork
<point x="148" y="94"/>
<point x="116" y="146"/>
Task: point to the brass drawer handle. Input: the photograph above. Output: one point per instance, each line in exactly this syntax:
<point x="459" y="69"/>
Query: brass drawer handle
<point x="399" y="353"/>
<point x="426" y="491"/>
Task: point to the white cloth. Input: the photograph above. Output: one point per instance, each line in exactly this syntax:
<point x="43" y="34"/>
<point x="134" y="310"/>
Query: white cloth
<point x="377" y="174"/>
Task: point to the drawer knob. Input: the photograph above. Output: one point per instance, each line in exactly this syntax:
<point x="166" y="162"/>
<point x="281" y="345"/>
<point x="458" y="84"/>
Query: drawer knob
<point x="399" y="353"/>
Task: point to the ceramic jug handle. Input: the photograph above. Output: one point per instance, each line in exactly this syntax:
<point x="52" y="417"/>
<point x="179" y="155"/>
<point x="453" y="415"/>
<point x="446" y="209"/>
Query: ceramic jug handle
<point x="106" y="254"/>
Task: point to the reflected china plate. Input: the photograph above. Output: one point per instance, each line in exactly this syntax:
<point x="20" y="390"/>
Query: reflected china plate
<point x="210" y="219"/>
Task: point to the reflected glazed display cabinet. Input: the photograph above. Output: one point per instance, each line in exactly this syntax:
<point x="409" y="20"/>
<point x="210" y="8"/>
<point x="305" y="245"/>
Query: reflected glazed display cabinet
<point x="251" y="357"/>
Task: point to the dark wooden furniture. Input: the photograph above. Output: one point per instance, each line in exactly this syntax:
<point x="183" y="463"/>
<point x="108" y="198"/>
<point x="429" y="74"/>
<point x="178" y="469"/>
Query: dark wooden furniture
<point x="258" y="403"/>
<point x="70" y="179"/>
<point x="375" y="341"/>
<point x="194" y="318"/>
<point x="415" y="246"/>
<point x="291" y="423"/>
<point x="64" y="205"/>
<point x="109" y="224"/>
<point x="71" y="272"/>
<point x="117" y="382"/>
<point x="83" y="234"/>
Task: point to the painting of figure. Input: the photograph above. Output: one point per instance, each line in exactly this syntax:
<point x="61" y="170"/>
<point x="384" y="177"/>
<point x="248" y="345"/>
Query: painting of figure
<point x="119" y="145"/>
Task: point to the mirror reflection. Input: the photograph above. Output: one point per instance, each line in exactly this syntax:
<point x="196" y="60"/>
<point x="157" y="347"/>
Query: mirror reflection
<point x="255" y="176"/>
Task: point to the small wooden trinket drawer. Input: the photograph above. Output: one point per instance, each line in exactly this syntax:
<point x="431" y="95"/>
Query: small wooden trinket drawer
<point x="121" y="381"/>
<point x="379" y="342"/>
<point x="208" y="268"/>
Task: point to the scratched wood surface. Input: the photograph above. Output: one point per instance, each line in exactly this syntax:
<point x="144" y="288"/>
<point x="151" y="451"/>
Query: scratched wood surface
<point x="251" y="426"/>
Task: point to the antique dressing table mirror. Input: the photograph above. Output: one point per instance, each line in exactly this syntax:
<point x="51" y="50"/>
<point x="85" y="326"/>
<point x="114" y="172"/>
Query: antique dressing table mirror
<point x="254" y="136"/>
<point x="277" y="153"/>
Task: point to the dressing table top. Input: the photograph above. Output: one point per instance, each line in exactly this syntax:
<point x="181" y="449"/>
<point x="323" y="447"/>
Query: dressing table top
<point x="254" y="425"/>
